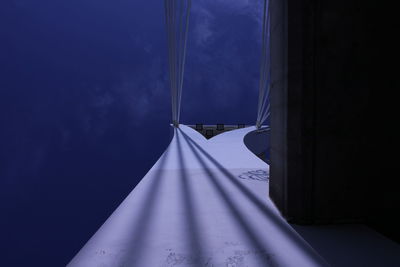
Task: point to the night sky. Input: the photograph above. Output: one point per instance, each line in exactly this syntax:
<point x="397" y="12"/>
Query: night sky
<point x="85" y="108"/>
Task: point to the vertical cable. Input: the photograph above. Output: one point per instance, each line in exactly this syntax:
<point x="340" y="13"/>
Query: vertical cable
<point x="177" y="13"/>
<point x="263" y="111"/>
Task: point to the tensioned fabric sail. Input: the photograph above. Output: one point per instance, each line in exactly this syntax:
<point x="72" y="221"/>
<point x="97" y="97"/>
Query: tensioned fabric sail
<point x="265" y="70"/>
<point x="204" y="203"/>
<point x="177" y="14"/>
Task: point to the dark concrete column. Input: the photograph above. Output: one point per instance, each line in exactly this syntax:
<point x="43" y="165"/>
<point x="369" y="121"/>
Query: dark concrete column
<point x="292" y="106"/>
<point x="325" y="156"/>
<point x="278" y="95"/>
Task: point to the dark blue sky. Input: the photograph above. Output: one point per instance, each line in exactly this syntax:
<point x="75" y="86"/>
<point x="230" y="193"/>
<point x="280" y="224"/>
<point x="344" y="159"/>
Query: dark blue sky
<point x="85" y="108"/>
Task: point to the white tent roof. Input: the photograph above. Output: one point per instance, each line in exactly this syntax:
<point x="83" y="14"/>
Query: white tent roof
<point x="204" y="203"/>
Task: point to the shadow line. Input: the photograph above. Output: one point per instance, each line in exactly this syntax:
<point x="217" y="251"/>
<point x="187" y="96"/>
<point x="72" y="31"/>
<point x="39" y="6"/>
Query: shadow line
<point x="196" y="244"/>
<point x="244" y="225"/>
<point x="286" y="229"/>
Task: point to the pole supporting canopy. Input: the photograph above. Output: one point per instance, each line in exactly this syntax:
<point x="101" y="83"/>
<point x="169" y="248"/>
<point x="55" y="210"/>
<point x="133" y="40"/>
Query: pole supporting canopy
<point x="265" y="70"/>
<point x="177" y="13"/>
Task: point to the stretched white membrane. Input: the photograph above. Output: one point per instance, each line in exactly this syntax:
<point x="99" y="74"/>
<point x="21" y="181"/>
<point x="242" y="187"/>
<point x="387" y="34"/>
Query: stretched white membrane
<point x="204" y="203"/>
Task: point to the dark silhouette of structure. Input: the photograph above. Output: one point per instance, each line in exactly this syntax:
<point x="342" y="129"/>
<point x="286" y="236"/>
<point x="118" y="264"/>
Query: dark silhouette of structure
<point x="332" y="133"/>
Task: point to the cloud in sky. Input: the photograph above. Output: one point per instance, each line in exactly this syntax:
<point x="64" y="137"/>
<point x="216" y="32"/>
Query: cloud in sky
<point x="222" y="60"/>
<point x="202" y="21"/>
<point x="85" y="106"/>
<point x="128" y="72"/>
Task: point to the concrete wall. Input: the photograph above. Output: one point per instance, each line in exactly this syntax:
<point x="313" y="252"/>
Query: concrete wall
<point x="278" y="96"/>
<point x="325" y="156"/>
